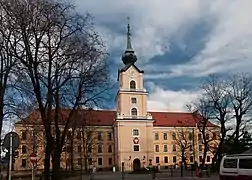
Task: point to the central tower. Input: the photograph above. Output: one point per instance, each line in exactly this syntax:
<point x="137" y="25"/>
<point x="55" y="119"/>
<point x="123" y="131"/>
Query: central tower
<point x="133" y="125"/>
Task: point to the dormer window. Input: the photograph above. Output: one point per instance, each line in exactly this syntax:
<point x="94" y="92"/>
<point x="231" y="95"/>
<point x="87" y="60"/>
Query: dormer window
<point x="134" y="112"/>
<point x="132" y="84"/>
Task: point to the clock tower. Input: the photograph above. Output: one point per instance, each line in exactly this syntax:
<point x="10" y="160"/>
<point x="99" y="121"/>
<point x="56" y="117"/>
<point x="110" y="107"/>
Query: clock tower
<point x="133" y="125"/>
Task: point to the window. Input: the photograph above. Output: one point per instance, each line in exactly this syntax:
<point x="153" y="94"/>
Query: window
<point x="99" y="136"/>
<point x="110" y="148"/>
<point x="191" y="159"/>
<point x="23" y="136"/>
<point x="110" y="161"/>
<point x="207" y="136"/>
<point x="99" y="161"/>
<point x="230" y="163"/>
<point x="165" y="136"/>
<point x="173" y="147"/>
<point x="79" y="135"/>
<point x="24" y="150"/>
<point x="134" y="112"/>
<point x="79" y="148"/>
<point x="208" y="158"/>
<point x="190" y="136"/>
<point x="191" y="148"/>
<point x="156" y="137"/>
<point x="132" y="84"/>
<point x="157" y="160"/>
<point x="109" y="136"/>
<point x="79" y="161"/>
<point x="245" y="163"/>
<point x="199" y="137"/>
<point x="136" y="147"/>
<point x="23" y="163"/>
<point x="90" y="161"/>
<point x="99" y="148"/>
<point x="135" y="132"/>
<point x="89" y="149"/>
<point x="174" y="136"/>
<point x="165" y="148"/>
<point x="157" y="148"/>
<point x="165" y="159"/>
<point x="200" y="158"/>
<point x="200" y="147"/>
<point x="214" y="136"/>
<point x="133" y="100"/>
<point x="174" y="159"/>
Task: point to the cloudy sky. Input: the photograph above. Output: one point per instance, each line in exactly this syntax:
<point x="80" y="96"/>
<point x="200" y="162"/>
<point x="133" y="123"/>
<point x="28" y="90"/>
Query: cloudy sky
<point x="178" y="43"/>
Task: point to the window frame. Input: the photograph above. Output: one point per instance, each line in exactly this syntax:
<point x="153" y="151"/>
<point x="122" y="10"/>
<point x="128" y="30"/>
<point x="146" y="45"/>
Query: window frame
<point x="136" y="145"/>
<point x="135" y="85"/>
<point x="165" y="146"/>
<point x="156" y="133"/>
<point x="137" y="131"/>
<point x="165" y="136"/>
<point x="135" y="111"/>
<point x="133" y="102"/>
<point x="98" y="148"/>
<point x="157" y="148"/>
<point x="98" y="162"/>
<point x="166" y="158"/>
<point x="157" y="160"/>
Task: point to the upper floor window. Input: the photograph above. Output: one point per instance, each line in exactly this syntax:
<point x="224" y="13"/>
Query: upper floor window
<point x="156" y="137"/>
<point x="132" y="84"/>
<point x="165" y="136"/>
<point x="23" y="137"/>
<point x="24" y="150"/>
<point x="190" y="136"/>
<point x="214" y="136"/>
<point x="134" y="112"/>
<point x="173" y="136"/>
<point x="133" y="100"/>
<point x="207" y="136"/>
<point x="165" y="148"/>
<point x="135" y="132"/>
<point x="110" y="149"/>
<point x="199" y="137"/>
<point x="99" y="136"/>
<point x="99" y="148"/>
<point x="157" y="148"/>
<point x="109" y="136"/>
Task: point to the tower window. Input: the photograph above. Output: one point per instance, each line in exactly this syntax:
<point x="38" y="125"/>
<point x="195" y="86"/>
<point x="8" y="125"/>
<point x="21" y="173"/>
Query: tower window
<point x="134" y="112"/>
<point x="132" y="84"/>
<point x="133" y="100"/>
<point x="135" y="132"/>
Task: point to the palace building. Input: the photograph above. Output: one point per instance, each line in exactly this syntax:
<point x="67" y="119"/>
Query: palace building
<point x="129" y="135"/>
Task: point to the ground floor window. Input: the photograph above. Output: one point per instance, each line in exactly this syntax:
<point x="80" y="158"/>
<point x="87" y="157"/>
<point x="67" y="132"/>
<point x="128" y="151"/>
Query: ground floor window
<point x="191" y="159"/>
<point x="99" y="161"/>
<point x="200" y="158"/>
<point x="23" y="163"/>
<point x="208" y="158"/>
<point x="165" y="159"/>
<point x="90" y="161"/>
<point x="110" y="161"/>
<point x="174" y="159"/>
<point x="157" y="160"/>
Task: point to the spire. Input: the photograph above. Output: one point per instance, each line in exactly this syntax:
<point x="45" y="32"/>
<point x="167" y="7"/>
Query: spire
<point x="129" y="46"/>
<point x="129" y="56"/>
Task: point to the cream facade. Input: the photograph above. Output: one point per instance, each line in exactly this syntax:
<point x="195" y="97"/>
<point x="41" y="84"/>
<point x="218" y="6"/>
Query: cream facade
<point x="133" y="137"/>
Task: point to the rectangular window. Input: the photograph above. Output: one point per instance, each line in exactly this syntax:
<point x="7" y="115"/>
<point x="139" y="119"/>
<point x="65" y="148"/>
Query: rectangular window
<point x="200" y="158"/>
<point x="99" y="161"/>
<point x="191" y="148"/>
<point x="165" y="136"/>
<point x="99" y="148"/>
<point x="136" y="147"/>
<point x="173" y="136"/>
<point x="245" y="163"/>
<point x="157" y="148"/>
<point x="79" y="148"/>
<point x="79" y="161"/>
<point x="208" y="158"/>
<point x="135" y="132"/>
<point x="165" y="159"/>
<point x="133" y="100"/>
<point x="23" y="163"/>
<point x="214" y="136"/>
<point x="24" y="150"/>
<point x="157" y="160"/>
<point x="174" y="147"/>
<point x="90" y="161"/>
<point x="191" y="159"/>
<point x="207" y="136"/>
<point x="78" y="135"/>
<point x="200" y="147"/>
<point x="156" y="136"/>
<point x="99" y="136"/>
<point x="110" y="148"/>
<point x="110" y="161"/>
<point x="230" y="163"/>
<point x="23" y="136"/>
<point x="165" y="148"/>
<point x="174" y="159"/>
<point x="199" y="137"/>
<point x="109" y="136"/>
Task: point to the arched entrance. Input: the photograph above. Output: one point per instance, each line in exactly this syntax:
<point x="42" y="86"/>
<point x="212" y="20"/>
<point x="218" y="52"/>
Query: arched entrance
<point x="136" y="164"/>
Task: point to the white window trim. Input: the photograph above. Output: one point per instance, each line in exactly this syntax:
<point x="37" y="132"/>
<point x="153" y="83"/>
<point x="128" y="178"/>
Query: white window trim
<point x="131" y="111"/>
<point x="158" y="148"/>
<point x="138" y="132"/>
<point x="164" y="148"/>
<point x="136" y="145"/>
<point x="167" y="159"/>
<point x="155" y="136"/>
<point x="135" y="83"/>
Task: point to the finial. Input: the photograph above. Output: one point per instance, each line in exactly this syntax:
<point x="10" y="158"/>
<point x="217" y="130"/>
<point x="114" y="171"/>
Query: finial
<point x="129" y="46"/>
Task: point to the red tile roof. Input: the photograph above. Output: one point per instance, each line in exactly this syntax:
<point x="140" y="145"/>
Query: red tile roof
<point x="106" y="118"/>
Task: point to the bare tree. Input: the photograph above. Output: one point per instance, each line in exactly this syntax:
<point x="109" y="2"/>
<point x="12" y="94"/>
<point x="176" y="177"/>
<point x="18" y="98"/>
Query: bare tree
<point x="183" y="142"/>
<point x="61" y="59"/>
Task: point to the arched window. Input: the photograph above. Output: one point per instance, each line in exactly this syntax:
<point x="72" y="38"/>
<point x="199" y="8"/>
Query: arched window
<point x="134" y="112"/>
<point x="132" y="84"/>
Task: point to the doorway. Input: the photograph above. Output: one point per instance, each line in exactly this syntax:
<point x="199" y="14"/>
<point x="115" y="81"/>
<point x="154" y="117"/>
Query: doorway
<point x="136" y="164"/>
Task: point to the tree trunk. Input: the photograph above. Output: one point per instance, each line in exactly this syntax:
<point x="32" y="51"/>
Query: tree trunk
<point x="204" y="157"/>
<point x="56" y="164"/>
<point x="85" y="164"/>
<point x="47" y="161"/>
<point x="72" y="156"/>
